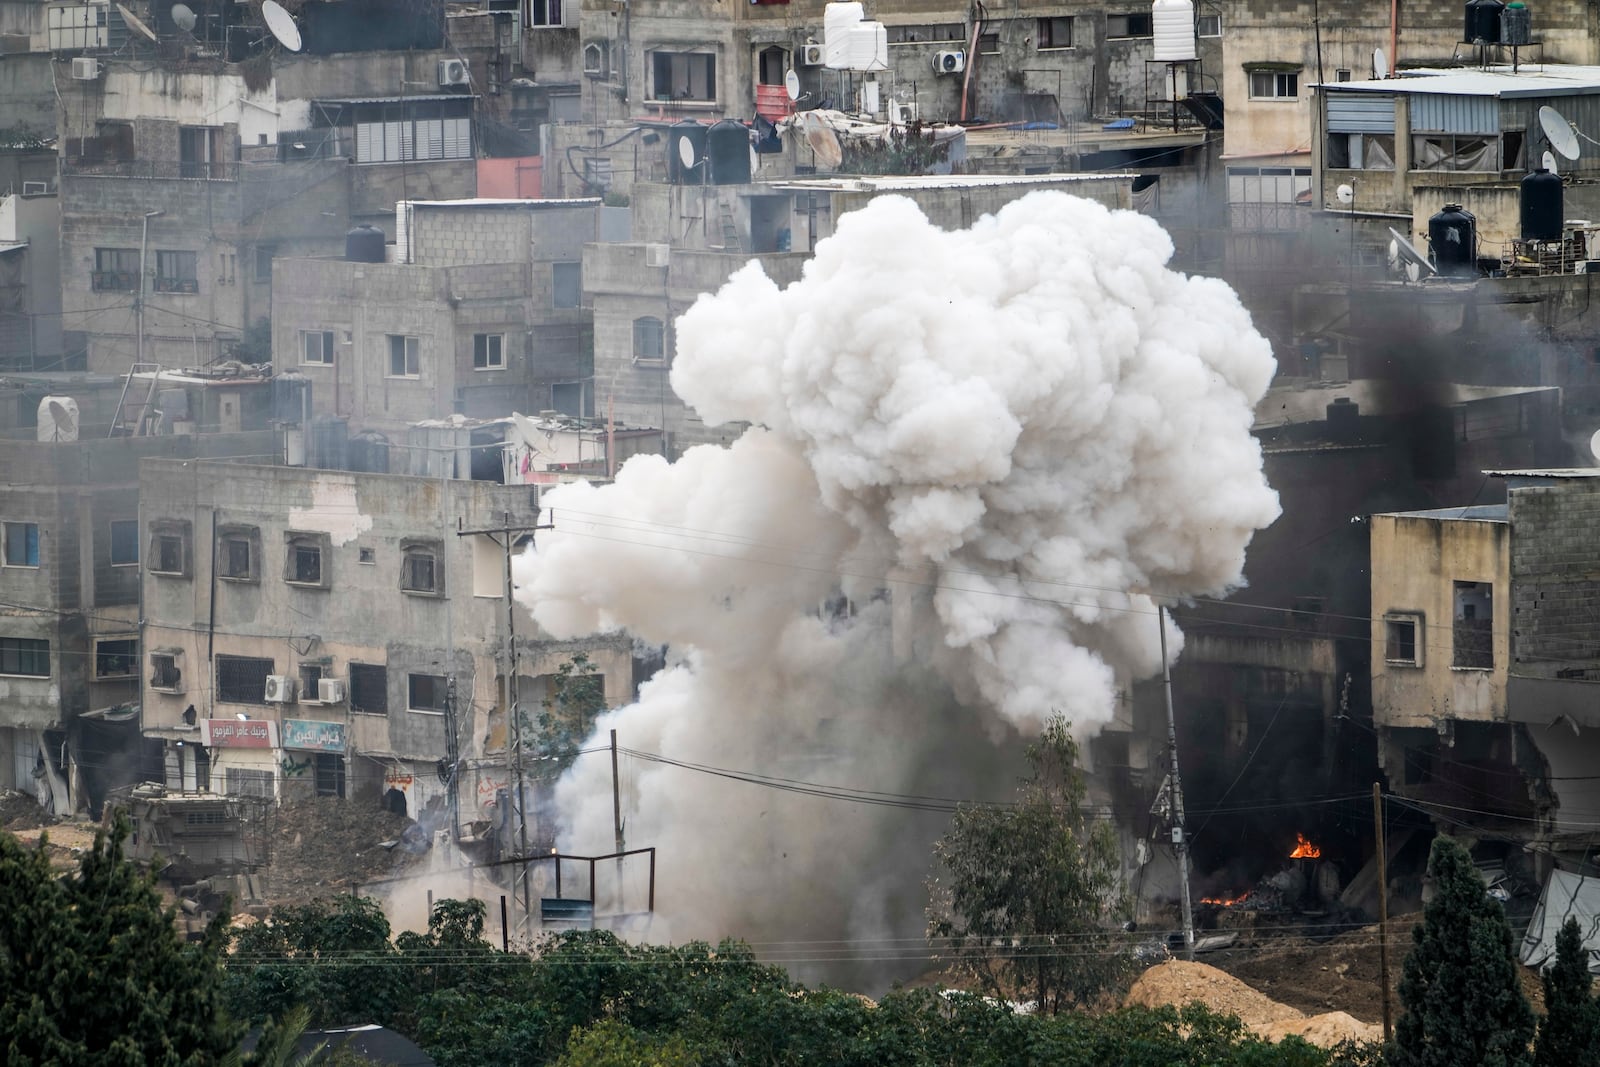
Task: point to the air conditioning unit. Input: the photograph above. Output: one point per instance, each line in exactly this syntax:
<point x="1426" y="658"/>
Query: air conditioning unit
<point x="85" y="69"/>
<point x="35" y="188"/>
<point x="453" y="73"/>
<point x="330" y="690"/>
<point x="811" y="55"/>
<point x="280" y="689"/>
<point x="657" y="255"/>
<point x="953" y="61"/>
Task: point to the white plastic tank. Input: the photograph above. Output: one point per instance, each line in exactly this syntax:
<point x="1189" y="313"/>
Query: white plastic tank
<point x="868" y="46"/>
<point x="58" y="419"/>
<point x="1172" y="23"/>
<point x="837" y="21"/>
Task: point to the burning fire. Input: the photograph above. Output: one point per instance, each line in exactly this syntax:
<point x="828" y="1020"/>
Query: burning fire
<point x="1305" y="850"/>
<point x="1225" y="902"/>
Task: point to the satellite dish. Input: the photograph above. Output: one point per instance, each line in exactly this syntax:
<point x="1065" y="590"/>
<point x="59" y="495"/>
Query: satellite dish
<point x="1346" y="194"/>
<point x="1559" y="132"/>
<point x="1550" y="163"/>
<point x="825" y="143"/>
<point x="134" y="22"/>
<point x="58" y="419"/>
<point x="791" y="85"/>
<point x="1594" y="445"/>
<point x="1401" y="249"/>
<point x="1380" y="64"/>
<point x="686" y="152"/>
<point x="281" y="24"/>
<point x="183" y="17"/>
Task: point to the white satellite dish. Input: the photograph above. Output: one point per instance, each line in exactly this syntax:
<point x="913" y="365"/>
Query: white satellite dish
<point x="1403" y="251"/>
<point x="58" y="419"/>
<point x="1380" y="64"/>
<point x="183" y="17"/>
<point x="1550" y="163"/>
<point x="281" y="24"/>
<point x="825" y="144"/>
<point x="1559" y="132"/>
<point x="1346" y="194"/>
<point x="791" y="85"/>
<point x="134" y="22"/>
<point x="686" y="152"/>
<point x="1594" y="445"/>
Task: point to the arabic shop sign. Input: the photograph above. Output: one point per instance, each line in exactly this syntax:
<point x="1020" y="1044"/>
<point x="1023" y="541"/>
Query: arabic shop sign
<point x="239" y="733"/>
<point x="313" y="736"/>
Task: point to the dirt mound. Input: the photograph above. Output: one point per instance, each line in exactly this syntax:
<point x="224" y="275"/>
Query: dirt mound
<point x="1178" y="982"/>
<point x="19" y="811"/>
<point x="326" y="846"/>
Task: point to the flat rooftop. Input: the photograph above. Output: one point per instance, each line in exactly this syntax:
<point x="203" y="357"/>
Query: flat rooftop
<point x="907" y="183"/>
<point x="1530" y="80"/>
<point x="1471" y="513"/>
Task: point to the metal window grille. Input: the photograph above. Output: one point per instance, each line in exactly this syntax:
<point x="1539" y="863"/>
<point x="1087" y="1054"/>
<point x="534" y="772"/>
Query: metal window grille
<point x="242" y="679"/>
<point x="369" y="688"/>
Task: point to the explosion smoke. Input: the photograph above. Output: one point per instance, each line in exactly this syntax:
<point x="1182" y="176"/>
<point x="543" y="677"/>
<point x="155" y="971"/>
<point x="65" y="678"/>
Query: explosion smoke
<point x="1019" y="431"/>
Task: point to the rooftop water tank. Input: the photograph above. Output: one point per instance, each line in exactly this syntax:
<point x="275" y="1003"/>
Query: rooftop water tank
<point x="364" y="244"/>
<point x="728" y="146"/>
<point x="1172" y="23"/>
<point x="1453" y="236"/>
<point x="1483" y="21"/>
<point x="1516" y="25"/>
<point x="837" y="20"/>
<point x="867" y="46"/>
<point x="695" y="133"/>
<point x="1540" y="201"/>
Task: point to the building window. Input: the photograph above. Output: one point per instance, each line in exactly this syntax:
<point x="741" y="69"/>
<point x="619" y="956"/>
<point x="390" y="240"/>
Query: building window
<point x="1444" y="151"/>
<point x="989" y="44"/>
<point x="1054" y="33"/>
<point x="316" y="347"/>
<point x="594" y="60"/>
<point x="164" y="673"/>
<point x="1403" y="639"/>
<point x="198" y="148"/>
<point x="544" y="12"/>
<point x="414" y="130"/>
<point x="1274" y="84"/>
<point x="116" y="658"/>
<point x="169" y="548"/>
<point x="488" y="351"/>
<point x="238" y="549"/>
<point x="21" y="544"/>
<point x="421" y="568"/>
<point x="366" y="555"/>
<point x="125" y="542"/>
<point x="264" y="257"/>
<point x="567" y="287"/>
<point x="683" y="76"/>
<point x="177" y="272"/>
<point x="1135" y="25"/>
<point x="242" y="679"/>
<point x="940" y="33"/>
<point x="649" y="340"/>
<point x="405" y="356"/>
<point x="369" y="688"/>
<point x="116" y="270"/>
<point x="1360" y="151"/>
<point x="1341" y="75"/>
<point x="1472" y="632"/>
<point x="310" y="677"/>
<point x="1208" y="26"/>
<point x="306" y="558"/>
<point x="242" y="782"/>
<point x="25" y="656"/>
<point x="427" y="692"/>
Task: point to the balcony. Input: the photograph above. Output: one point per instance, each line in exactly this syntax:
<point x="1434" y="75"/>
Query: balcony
<point x="114" y="281"/>
<point x="150" y="168"/>
<point x="175" y="285"/>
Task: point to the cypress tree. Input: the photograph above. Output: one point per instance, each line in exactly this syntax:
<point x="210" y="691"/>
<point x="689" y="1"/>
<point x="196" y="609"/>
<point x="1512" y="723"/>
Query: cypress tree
<point x="1459" y="989"/>
<point x="1568" y="1036"/>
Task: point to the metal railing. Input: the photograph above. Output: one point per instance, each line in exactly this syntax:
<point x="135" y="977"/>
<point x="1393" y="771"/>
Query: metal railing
<point x="151" y="168"/>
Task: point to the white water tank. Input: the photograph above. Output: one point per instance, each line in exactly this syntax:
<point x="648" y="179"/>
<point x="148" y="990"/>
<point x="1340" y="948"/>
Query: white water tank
<point x="837" y="22"/>
<point x="1172" y="23"/>
<point x="868" y="46"/>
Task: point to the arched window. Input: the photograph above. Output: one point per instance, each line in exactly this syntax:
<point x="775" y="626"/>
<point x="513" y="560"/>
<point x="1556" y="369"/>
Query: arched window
<point x="649" y="340"/>
<point x="594" y="59"/>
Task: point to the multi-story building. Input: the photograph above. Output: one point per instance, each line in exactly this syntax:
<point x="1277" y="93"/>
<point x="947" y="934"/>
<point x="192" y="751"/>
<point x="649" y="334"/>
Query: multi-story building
<point x="30" y="278"/>
<point x="340" y="633"/>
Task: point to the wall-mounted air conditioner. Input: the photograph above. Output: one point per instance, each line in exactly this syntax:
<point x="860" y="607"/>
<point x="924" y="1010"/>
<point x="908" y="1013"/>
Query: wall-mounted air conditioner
<point x="454" y="73"/>
<point x="35" y="188"/>
<point x="657" y="255"/>
<point x="952" y="61"/>
<point x="85" y="68"/>
<point x="330" y="690"/>
<point x="811" y="55"/>
<point x="280" y="689"/>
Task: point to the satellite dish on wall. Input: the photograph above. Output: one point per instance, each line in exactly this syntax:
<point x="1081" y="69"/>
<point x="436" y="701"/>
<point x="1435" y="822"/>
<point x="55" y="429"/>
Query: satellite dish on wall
<point x="1404" y="252"/>
<point x="1380" y="64"/>
<point x="281" y="24"/>
<point x="1594" y="445"/>
<point x="1346" y="194"/>
<point x="686" y="152"/>
<point x="825" y="143"/>
<point x="183" y="17"/>
<point x="1550" y="163"/>
<point x="791" y="85"/>
<point x="1559" y="132"/>
<point x="134" y="22"/>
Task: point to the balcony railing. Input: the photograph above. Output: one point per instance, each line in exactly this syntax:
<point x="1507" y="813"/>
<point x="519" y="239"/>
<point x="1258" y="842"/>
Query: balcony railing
<point x="114" y="281"/>
<point x="176" y="285"/>
<point x="150" y="168"/>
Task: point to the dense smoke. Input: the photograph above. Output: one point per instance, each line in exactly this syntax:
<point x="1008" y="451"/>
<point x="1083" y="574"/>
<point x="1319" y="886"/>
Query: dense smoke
<point x="1016" y="432"/>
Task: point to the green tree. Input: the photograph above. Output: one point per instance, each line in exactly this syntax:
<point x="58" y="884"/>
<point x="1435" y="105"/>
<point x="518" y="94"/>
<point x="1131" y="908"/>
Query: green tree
<point x="1459" y="989"/>
<point x="1569" y="1035"/>
<point x="566" y="715"/>
<point x="93" y="968"/>
<point x="610" y="1043"/>
<point x="1032" y="891"/>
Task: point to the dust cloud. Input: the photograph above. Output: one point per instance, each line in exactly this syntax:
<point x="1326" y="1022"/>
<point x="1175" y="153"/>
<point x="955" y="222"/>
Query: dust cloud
<point x="972" y="458"/>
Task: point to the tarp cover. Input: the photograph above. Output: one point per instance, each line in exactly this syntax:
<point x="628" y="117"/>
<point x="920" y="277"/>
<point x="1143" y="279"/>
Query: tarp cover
<point x="1564" y="894"/>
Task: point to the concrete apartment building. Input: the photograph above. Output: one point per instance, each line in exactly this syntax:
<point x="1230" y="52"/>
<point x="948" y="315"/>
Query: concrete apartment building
<point x="483" y="315"/>
<point x="314" y="631"/>
<point x="30" y="278"/>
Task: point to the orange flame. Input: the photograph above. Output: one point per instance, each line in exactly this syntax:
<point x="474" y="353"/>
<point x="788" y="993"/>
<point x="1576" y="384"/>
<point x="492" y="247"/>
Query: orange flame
<point x="1225" y="902"/>
<point x="1305" y="850"/>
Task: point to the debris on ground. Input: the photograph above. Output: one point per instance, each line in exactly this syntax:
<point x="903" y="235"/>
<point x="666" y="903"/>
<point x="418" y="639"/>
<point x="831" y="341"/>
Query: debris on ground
<point x="19" y="811"/>
<point x="326" y="845"/>
<point x="1179" y="982"/>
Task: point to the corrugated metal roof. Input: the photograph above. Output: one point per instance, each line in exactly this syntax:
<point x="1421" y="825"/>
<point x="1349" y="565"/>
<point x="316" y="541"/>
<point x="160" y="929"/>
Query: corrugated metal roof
<point x="1549" y="80"/>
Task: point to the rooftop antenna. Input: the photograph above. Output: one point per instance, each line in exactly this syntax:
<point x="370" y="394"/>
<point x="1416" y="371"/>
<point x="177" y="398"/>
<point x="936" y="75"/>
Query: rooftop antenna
<point x="1403" y="253"/>
<point x="1549" y="162"/>
<point x="1561" y="134"/>
<point x="281" y="25"/>
<point x="135" y="23"/>
<point x="183" y="17"/>
<point x="1380" y="64"/>
<point x="825" y="143"/>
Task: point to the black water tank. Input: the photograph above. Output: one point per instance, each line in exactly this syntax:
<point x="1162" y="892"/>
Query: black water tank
<point x="1453" y="235"/>
<point x="1483" y="21"/>
<point x="364" y="244"/>
<point x="1516" y="25"/>
<point x="1541" y="205"/>
<point x="728" y="145"/>
<point x="1344" y="421"/>
<point x="691" y="131"/>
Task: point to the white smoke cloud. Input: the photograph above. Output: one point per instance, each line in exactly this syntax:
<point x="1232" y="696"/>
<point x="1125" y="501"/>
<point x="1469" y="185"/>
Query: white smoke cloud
<point x="1019" y="430"/>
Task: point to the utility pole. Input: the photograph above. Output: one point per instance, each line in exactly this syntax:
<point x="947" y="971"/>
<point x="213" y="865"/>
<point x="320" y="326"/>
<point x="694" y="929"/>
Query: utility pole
<point x="452" y="755"/>
<point x="1383" y="906"/>
<point x="1180" y="842"/>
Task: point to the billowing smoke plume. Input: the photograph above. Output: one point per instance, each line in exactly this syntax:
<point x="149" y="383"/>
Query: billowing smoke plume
<point x="1016" y="431"/>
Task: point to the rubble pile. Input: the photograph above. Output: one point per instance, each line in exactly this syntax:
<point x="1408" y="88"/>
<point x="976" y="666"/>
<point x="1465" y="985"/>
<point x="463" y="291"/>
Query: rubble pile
<point x="19" y="811"/>
<point x="327" y="845"/>
<point x="1178" y="982"/>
